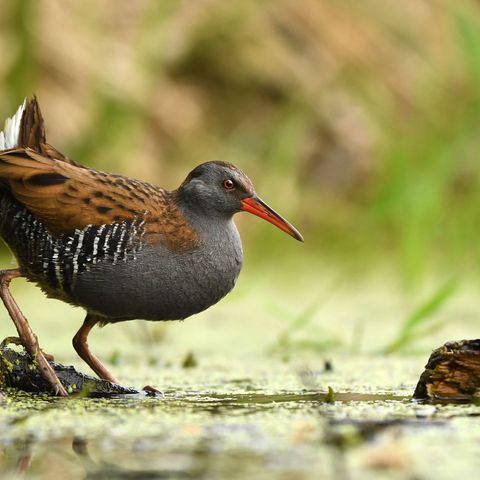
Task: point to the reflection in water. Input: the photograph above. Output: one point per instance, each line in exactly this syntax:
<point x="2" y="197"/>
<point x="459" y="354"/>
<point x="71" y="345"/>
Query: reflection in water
<point x="25" y="459"/>
<point x="98" y="469"/>
<point x="189" y="446"/>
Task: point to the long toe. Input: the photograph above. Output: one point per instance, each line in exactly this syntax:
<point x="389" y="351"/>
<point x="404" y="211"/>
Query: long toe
<point x="152" y="391"/>
<point x="48" y="357"/>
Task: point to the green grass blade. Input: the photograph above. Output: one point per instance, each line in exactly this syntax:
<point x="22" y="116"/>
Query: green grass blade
<point x="410" y="330"/>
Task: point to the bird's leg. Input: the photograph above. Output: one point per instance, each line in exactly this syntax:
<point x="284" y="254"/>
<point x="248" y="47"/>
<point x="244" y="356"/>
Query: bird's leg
<point x="81" y="347"/>
<point x="49" y="357"/>
<point x="28" y="338"/>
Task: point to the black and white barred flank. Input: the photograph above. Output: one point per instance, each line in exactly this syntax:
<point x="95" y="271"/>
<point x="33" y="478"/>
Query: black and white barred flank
<point x="56" y="262"/>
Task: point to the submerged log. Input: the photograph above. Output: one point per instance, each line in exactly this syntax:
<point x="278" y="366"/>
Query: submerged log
<point x="452" y="373"/>
<point x="18" y="371"/>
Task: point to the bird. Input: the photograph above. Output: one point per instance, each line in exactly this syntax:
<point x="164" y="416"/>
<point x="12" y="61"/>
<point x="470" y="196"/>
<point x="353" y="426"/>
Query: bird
<point x="120" y="248"/>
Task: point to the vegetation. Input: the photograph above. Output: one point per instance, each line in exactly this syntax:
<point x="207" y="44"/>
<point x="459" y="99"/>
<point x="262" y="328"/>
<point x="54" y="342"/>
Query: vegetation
<point x="357" y="120"/>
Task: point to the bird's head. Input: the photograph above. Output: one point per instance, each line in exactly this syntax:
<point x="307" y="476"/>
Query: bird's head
<point x="221" y="189"/>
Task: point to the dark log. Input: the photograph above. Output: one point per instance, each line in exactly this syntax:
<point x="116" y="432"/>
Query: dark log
<point x="18" y="371"/>
<point x="452" y="373"/>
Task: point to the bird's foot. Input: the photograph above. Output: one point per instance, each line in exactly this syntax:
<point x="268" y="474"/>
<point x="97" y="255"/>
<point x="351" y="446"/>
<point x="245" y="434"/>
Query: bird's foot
<point x="11" y="341"/>
<point x="152" y="391"/>
<point x="42" y="359"/>
<point x="48" y="356"/>
<point x="17" y="341"/>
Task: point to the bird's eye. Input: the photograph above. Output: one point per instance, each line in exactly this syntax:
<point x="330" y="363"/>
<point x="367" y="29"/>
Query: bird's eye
<point x="228" y="184"/>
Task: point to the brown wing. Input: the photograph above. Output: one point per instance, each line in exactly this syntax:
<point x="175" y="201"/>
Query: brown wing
<point x="67" y="197"/>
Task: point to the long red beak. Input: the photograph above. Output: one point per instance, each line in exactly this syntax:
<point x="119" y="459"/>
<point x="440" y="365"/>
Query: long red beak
<point x="261" y="209"/>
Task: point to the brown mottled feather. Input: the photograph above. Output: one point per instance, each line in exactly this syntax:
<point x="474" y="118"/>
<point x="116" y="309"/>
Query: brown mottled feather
<point x="32" y="129"/>
<point x="68" y="196"/>
<point x="32" y="133"/>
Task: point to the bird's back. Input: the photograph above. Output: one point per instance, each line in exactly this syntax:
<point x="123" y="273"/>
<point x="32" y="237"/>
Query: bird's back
<point x="119" y="247"/>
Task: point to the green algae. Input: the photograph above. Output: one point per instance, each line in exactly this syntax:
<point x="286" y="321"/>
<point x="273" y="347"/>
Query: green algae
<point x="242" y="411"/>
<point x="6" y="368"/>
<point x="214" y="422"/>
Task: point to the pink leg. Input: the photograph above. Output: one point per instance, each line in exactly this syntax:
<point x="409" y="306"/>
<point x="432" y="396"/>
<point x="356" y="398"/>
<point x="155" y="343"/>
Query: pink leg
<point x="81" y="347"/>
<point x="28" y="338"/>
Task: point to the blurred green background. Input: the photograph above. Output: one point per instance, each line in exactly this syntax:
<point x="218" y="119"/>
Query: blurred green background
<point x="359" y="121"/>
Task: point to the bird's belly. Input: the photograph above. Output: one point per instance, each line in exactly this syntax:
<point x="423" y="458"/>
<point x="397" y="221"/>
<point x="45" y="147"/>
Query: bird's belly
<point x="145" y="281"/>
<point x="153" y="287"/>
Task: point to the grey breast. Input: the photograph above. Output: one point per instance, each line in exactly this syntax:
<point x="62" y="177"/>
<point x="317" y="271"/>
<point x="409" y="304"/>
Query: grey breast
<point x="161" y="284"/>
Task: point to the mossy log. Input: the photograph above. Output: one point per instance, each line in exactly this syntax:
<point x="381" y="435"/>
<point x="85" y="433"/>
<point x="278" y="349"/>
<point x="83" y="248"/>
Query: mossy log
<point x="452" y="373"/>
<point x="17" y="370"/>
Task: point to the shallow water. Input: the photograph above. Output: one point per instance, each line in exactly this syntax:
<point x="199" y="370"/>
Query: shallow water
<point x="218" y="421"/>
<point x="244" y="412"/>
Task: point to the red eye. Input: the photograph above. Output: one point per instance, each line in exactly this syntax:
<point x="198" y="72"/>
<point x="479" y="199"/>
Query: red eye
<point x="228" y="184"/>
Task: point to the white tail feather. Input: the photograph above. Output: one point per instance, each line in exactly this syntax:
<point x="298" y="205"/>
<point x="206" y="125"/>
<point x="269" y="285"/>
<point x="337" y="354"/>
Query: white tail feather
<point x="11" y="130"/>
